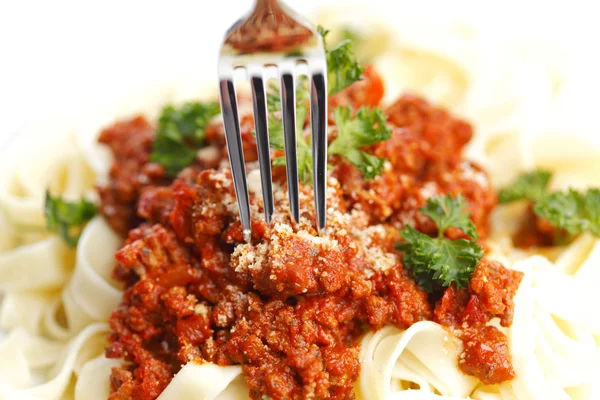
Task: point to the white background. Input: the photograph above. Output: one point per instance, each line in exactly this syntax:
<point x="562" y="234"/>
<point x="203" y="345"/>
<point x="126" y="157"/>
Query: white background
<point x="61" y="57"/>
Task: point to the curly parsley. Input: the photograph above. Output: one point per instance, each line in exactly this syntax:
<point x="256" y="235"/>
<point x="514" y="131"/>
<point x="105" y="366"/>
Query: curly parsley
<point x="180" y="133"/>
<point x="276" y="141"/>
<point x="531" y="185"/>
<point x="343" y="68"/>
<point x="438" y="262"/>
<point x="366" y="128"/>
<point x="573" y="212"/>
<point x="67" y="219"/>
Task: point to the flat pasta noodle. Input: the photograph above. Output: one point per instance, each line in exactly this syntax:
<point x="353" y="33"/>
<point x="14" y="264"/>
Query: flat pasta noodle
<point x="206" y="381"/>
<point x="554" y="336"/>
<point x="28" y="352"/>
<point x="92" y="380"/>
<point x="49" y="264"/>
<point x="91" y="278"/>
<point x="27" y="310"/>
<point x="90" y="281"/>
<point x="23" y="186"/>
<point x="53" y="313"/>
<point x="424" y="355"/>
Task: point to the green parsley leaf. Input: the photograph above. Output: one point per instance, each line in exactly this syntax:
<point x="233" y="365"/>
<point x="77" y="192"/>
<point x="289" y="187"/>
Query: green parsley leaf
<point x="67" y="219"/>
<point x="438" y="262"/>
<point x="343" y="68"/>
<point x="449" y="212"/>
<point x="572" y="211"/>
<point x="276" y="140"/>
<point x="349" y="33"/>
<point x="180" y="133"/>
<point x="531" y="185"/>
<point x="369" y="165"/>
<point x="302" y="96"/>
<point x="366" y="128"/>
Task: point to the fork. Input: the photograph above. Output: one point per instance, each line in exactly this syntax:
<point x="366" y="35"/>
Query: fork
<point x="274" y="42"/>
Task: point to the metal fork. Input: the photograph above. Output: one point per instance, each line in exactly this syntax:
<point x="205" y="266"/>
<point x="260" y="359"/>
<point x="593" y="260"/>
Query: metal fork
<point x="273" y="36"/>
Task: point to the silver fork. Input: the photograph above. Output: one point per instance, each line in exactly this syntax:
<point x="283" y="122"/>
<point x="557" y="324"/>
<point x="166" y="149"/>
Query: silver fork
<point x="273" y="36"/>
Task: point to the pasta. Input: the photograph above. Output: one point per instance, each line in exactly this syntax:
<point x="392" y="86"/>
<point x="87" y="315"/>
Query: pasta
<point x="55" y="314"/>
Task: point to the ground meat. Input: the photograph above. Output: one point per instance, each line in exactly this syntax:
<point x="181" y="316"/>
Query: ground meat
<point x="366" y="92"/>
<point x="443" y="135"/>
<point x="290" y="304"/>
<point x="132" y="173"/>
<point x="467" y="311"/>
<point x="495" y="287"/>
<point x="399" y="301"/>
<point x="131" y="144"/>
<point x="292" y="323"/>
<point x="536" y="232"/>
<point x="425" y="160"/>
<point x="486" y="355"/>
<point x="298" y="351"/>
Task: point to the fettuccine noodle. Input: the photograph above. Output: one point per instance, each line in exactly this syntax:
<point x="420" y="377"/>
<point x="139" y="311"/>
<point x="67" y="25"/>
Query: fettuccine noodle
<point x="56" y="300"/>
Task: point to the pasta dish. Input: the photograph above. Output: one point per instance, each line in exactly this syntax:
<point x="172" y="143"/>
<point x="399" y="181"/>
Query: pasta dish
<point x="442" y="273"/>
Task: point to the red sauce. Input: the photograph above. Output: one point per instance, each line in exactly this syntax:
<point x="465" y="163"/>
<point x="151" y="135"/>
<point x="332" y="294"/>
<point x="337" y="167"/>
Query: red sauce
<point x="288" y="307"/>
<point x="490" y="294"/>
<point x="536" y="232"/>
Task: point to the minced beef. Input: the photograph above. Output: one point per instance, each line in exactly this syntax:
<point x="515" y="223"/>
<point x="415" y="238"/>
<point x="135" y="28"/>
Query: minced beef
<point x="290" y="305"/>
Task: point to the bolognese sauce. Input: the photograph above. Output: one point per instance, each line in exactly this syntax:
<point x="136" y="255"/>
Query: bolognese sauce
<point x="290" y="304"/>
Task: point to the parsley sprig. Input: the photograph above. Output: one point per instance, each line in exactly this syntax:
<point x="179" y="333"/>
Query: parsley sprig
<point x="180" y="133"/>
<point x="67" y="218"/>
<point x="276" y="141"/>
<point x="366" y="128"/>
<point x="438" y="262"/>
<point x="531" y="185"/>
<point x="343" y="68"/>
<point x="573" y="211"/>
<point x="181" y="130"/>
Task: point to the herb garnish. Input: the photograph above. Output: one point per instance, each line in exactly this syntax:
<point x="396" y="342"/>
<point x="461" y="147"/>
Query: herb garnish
<point x="438" y="262"/>
<point x="575" y="212"/>
<point x="343" y="68"/>
<point x="366" y="128"/>
<point x="276" y="141"/>
<point x="572" y="211"/>
<point x="531" y="185"/>
<point x="180" y="133"/>
<point x="66" y="218"/>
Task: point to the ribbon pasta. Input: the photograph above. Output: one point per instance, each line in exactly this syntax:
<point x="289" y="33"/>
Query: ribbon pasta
<point x="56" y="301"/>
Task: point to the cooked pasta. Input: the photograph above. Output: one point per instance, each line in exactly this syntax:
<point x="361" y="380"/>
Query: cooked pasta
<point x="56" y="300"/>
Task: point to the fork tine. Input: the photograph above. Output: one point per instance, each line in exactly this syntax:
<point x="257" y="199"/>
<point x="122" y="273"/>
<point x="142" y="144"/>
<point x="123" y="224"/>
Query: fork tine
<point x="288" y="105"/>
<point x="234" y="148"/>
<point x="259" y="103"/>
<point x="318" y="117"/>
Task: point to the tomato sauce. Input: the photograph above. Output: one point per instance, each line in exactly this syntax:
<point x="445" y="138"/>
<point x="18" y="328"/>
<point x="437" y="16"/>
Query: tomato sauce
<point x="290" y="306"/>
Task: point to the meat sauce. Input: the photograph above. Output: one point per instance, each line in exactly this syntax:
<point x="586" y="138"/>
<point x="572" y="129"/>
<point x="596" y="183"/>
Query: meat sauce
<point x="289" y="306"/>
